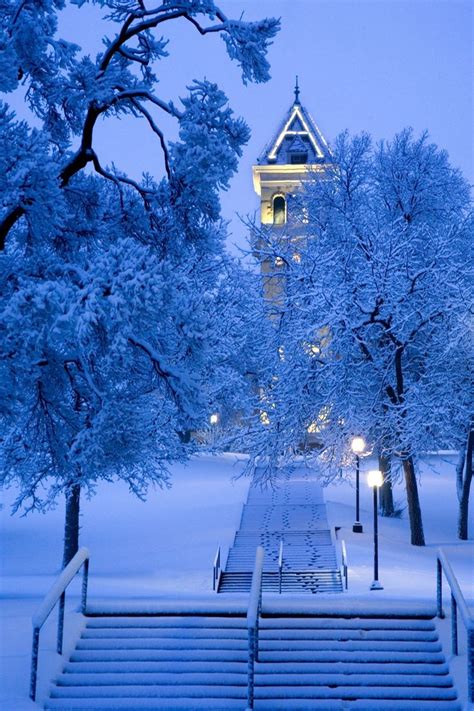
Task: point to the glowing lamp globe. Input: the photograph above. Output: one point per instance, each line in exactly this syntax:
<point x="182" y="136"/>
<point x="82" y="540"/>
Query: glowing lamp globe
<point x="375" y="478"/>
<point x="358" y="445"/>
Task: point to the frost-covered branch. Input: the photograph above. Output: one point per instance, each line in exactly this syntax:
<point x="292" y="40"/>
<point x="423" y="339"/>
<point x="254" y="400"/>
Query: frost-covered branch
<point x="69" y="94"/>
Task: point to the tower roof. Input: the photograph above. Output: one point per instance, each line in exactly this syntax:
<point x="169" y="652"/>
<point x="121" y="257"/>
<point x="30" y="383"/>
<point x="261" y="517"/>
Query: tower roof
<point x="298" y="139"/>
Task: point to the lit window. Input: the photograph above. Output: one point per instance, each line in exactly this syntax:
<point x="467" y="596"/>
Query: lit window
<point x="279" y="210"/>
<point x="312" y="349"/>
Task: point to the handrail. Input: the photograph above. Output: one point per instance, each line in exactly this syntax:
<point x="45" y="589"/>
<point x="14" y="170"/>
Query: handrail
<point x="345" y="564"/>
<point x="457" y="603"/>
<point x="216" y="570"/>
<point x="280" y="566"/>
<point x="57" y="593"/>
<point x="253" y="614"/>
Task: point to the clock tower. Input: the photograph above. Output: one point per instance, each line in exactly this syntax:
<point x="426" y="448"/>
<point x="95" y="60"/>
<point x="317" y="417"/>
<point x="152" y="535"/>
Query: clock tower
<point x="298" y="151"/>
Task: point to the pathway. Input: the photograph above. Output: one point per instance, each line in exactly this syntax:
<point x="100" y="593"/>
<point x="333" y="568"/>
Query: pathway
<point x="289" y="518"/>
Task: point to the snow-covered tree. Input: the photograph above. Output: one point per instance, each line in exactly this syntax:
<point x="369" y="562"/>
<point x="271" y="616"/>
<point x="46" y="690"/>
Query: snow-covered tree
<point x="379" y="290"/>
<point x="108" y="285"/>
<point x="69" y="92"/>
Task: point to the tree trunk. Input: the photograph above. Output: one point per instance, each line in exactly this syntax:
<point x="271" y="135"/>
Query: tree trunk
<point x="71" y="524"/>
<point x="386" y="492"/>
<point x="460" y="464"/>
<point x="414" y="508"/>
<point x="465" y="489"/>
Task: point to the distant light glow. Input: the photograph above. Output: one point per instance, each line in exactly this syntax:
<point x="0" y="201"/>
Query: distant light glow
<point x="375" y="478"/>
<point x="321" y="421"/>
<point x="264" y="419"/>
<point x="214" y="418"/>
<point x="358" y="445"/>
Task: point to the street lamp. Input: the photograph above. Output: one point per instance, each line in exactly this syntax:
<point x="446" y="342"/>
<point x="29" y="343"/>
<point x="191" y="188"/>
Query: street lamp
<point x="357" y="446"/>
<point x="214" y="421"/>
<point x="375" y="480"/>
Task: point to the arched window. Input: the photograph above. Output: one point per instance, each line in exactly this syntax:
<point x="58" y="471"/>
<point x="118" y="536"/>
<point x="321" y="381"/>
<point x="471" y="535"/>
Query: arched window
<point x="279" y="210"/>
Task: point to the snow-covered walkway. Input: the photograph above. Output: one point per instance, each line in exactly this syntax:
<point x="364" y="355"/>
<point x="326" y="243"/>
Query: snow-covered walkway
<point x="289" y="520"/>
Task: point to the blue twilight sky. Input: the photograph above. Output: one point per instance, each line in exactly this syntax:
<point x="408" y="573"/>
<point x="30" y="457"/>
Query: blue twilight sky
<point x="373" y="65"/>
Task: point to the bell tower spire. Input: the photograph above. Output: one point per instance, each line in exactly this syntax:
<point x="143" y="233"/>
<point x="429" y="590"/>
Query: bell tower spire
<point x="297" y="92"/>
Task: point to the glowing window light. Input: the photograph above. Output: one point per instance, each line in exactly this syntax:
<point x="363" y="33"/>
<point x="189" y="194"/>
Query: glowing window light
<point x="264" y="419"/>
<point x="214" y="418"/>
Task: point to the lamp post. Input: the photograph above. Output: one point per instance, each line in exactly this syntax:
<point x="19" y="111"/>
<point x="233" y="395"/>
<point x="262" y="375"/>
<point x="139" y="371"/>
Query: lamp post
<point x="214" y="421"/>
<point x="375" y="480"/>
<point x="357" y="446"/>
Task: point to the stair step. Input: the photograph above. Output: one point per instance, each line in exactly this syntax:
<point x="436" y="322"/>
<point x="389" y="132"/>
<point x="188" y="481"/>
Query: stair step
<point x="175" y="621"/>
<point x="357" y="705"/>
<point x="356" y="692"/>
<point x="162" y="643"/>
<point x="350" y="656"/>
<point x="125" y="666"/>
<point x="149" y="691"/>
<point x="165" y="632"/>
<point x="134" y="704"/>
<point x="355" y="679"/>
<point x="265" y="644"/>
<point x="347" y="634"/>
<point x="220" y="678"/>
<point x="353" y="667"/>
<point x="217" y="677"/>
<point x="154" y="655"/>
<point x="332" y="623"/>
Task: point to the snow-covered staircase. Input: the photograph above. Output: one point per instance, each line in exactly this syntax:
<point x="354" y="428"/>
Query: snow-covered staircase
<point x="342" y="663"/>
<point x="292" y="513"/>
<point x="162" y="662"/>
<point x="330" y="657"/>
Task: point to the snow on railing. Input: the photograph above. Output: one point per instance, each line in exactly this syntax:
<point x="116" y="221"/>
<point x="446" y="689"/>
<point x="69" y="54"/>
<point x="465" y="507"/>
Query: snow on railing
<point x="345" y="565"/>
<point x="457" y="603"/>
<point x="55" y="594"/>
<point x="216" y="570"/>
<point x="253" y="615"/>
<point x="342" y="555"/>
<point x="280" y="566"/>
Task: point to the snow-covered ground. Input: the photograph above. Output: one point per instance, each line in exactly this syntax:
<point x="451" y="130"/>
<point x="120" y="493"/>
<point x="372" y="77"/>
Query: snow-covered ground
<point x="164" y="549"/>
